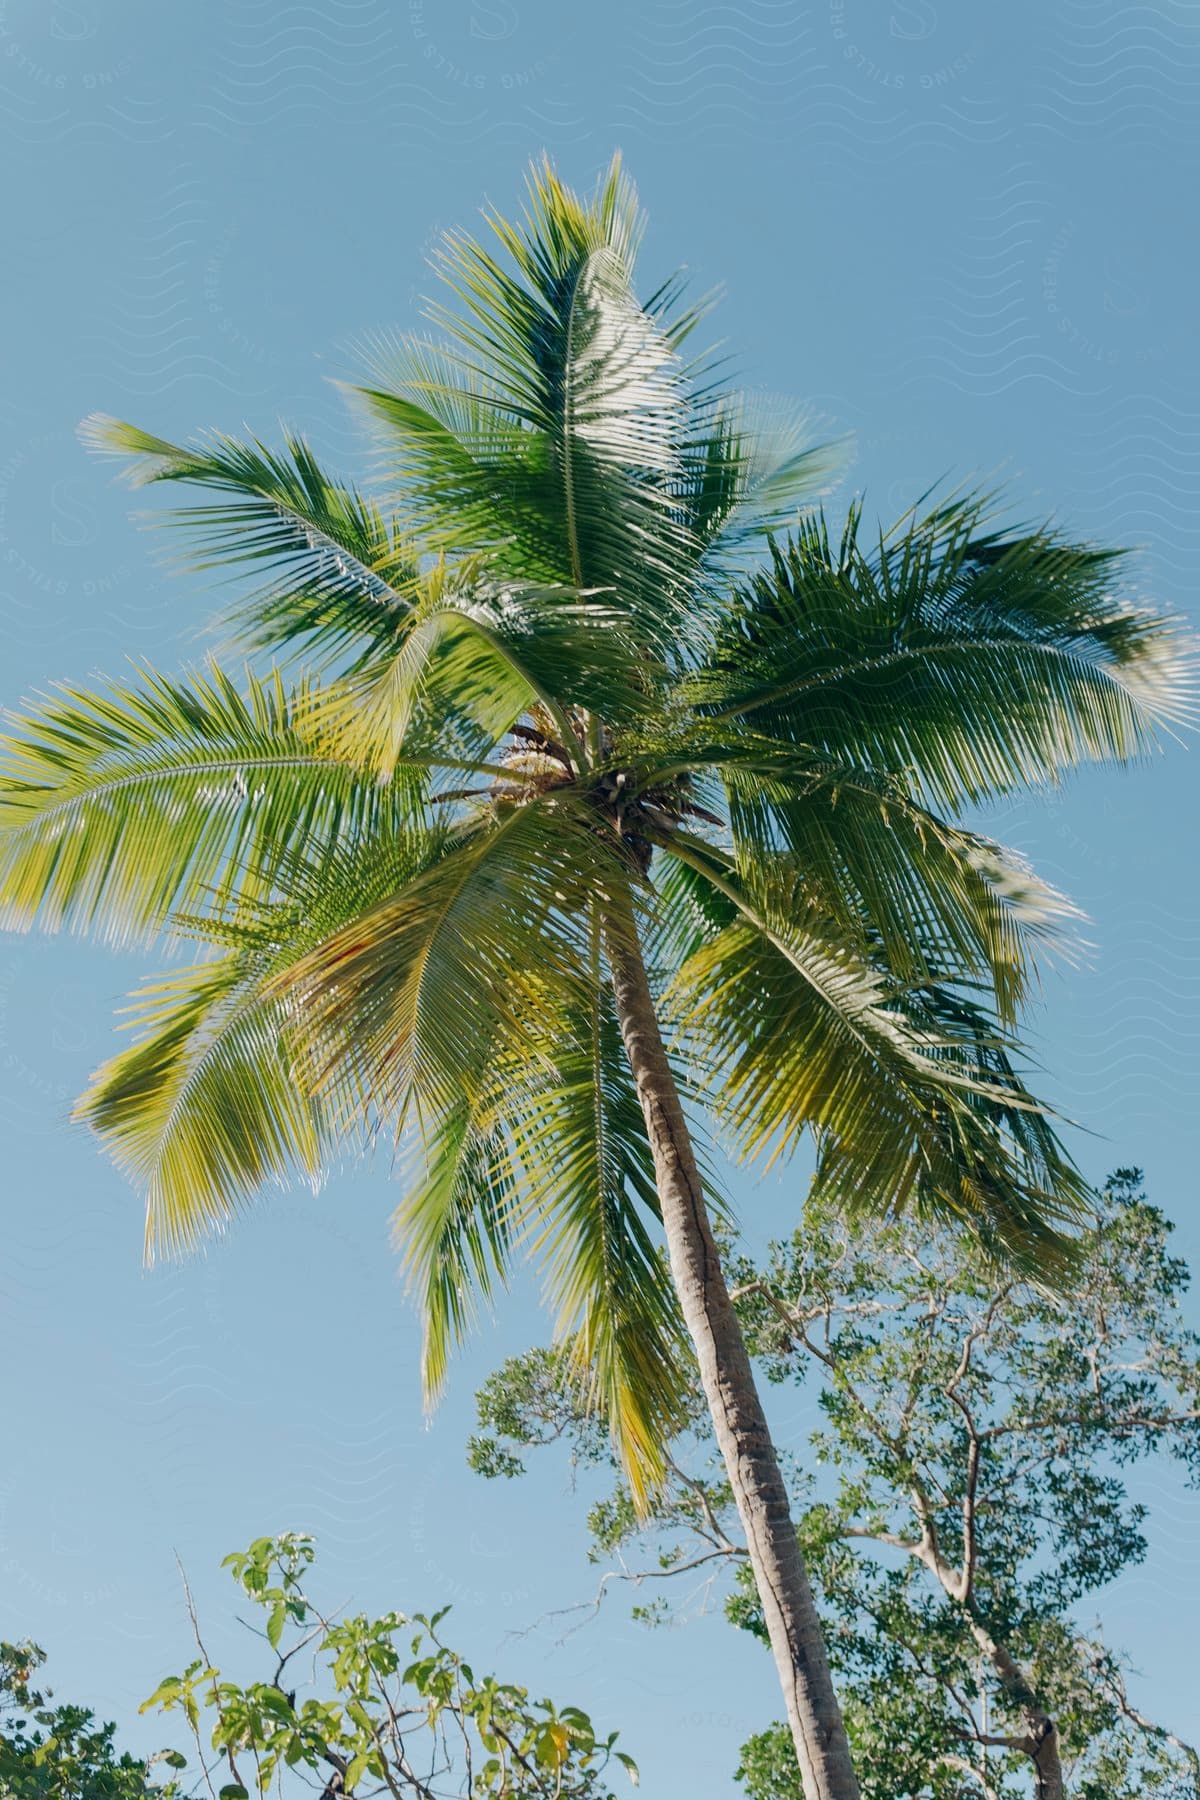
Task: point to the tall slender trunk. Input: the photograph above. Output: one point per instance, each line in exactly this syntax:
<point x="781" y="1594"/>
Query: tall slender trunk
<point x="728" y="1380"/>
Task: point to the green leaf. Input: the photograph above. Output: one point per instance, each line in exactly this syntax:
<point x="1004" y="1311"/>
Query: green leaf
<point x="975" y="661"/>
<point x="342" y="575"/>
<point x="121" y="808"/>
<point x="629" y="1766"/>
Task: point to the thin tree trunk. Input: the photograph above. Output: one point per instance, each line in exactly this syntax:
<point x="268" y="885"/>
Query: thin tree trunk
<point x="728" y="1380"/>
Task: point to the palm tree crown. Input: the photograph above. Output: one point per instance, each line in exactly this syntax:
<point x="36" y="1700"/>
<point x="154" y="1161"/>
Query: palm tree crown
<point x="593" y="675"/>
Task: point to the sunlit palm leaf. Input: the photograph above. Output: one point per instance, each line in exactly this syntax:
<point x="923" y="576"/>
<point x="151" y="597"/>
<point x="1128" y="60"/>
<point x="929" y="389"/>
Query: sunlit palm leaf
<point x="121" y="806"/>
<point x="911" y="1095"/>
<point x="454" y="1228"/>
<point x="986" y="1162"/>
<point x="551" y="431"/>
<point x="587" y="1176"/>
<point x="754" y="469"/>
<point x="932" y="899"/>
<point x="210" y="1104"/>
<point x="206" y="1109"/>
<point x="481" y="946"/>
<point x="479" y="653"/>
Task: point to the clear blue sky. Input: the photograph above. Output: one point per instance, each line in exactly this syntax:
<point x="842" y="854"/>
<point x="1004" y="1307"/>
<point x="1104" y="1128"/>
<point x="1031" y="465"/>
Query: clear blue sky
<point x="966" y="233"/>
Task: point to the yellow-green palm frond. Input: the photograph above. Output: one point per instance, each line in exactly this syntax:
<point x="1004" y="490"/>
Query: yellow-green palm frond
<point x="550" y="1157"/>
<point x="205" y="1109"/>
<point x="933" y="900"/>
<point x="477" y="654"/>
<point x="122" y="806"/>
<point x="911" y="1093"/>
<point x="983" y="1158"/>
<point x="482" y="943"/>
<point x="587" y="1180"/>
<point x="210" y="1104"/>
<point x="752" y="469"/>
<point x="455" y="1226"/>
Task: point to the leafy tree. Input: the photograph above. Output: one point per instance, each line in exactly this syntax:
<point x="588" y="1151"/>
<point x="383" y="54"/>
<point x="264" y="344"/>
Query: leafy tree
<point x="389" y="1708"/>
<point x="970" y="1499"/>
<point x="600" y="736"/>
<point x="55" y="1752"/>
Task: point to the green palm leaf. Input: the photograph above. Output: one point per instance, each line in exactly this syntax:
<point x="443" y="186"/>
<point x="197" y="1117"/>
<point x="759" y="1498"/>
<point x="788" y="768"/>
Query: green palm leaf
<point x="482" y="944"/>
<point x="971" y="661"/>
<point x="121" y="807"/>
<point x="454" y="1228"/>
<point x="911" y="1094"/>
<point x="342" y="573"/>
<point x="552" y="1154"/>
<point x="931" y="898"/>
<point x="551" y="430"/>
<point x="206" y="1109"/>
<point x="210" y="1104"/>
<point x="587" y="1178"/>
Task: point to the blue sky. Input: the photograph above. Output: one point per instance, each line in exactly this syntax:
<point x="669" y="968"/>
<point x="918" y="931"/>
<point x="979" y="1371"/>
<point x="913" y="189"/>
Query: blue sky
<point x="964" y="234"/>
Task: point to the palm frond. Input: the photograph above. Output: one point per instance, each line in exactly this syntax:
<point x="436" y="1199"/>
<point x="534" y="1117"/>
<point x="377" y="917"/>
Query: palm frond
<point x="119" y="807"/>
<point x="900" y="1087"/>
<point x="988" y="1163"/>
<point x="341" y="573"/>
<point x="929" y="897"/>
<point x="210" y="1104"/>
<point x="968" y="661"/>
<point x="587" y="1176"/>
<point x="481" y="945"/>
<point x="454" y="1229"/>
<point x="550" y="430"/>
<point x="205" y="1109"/>
<point x="753" y="470"/>
<point x="479" y="653"/>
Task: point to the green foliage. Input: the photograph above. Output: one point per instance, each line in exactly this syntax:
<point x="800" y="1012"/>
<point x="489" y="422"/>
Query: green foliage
<point x="967" y="1497"/>
<point x="392" y="1708"/>
<point x="50" y="1751"/>
<point x="591" y="672"/>
<point x="533" y="1399"/>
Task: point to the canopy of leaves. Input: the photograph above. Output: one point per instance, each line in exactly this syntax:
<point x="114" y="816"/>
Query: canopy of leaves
<point x="362" y="1706"/>
<point x="51" y="1751"/>
<point x="969" y="1503"/>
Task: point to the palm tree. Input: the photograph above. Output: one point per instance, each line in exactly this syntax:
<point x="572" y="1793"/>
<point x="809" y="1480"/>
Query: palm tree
<point x="619" y="795"/>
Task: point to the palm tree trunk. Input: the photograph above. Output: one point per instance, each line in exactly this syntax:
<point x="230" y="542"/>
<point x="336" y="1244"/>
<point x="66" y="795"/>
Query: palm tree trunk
<point x="728" y="1380"/>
